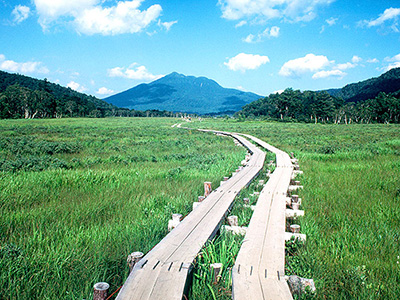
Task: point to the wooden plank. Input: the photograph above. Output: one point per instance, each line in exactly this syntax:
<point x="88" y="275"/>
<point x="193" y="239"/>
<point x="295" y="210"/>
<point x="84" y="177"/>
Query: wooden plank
<point x="259" y="269"/>
<point x="162" y="272"/>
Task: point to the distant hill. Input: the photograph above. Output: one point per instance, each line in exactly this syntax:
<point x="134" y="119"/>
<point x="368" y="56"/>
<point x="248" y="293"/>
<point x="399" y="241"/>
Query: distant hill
<point x="388" y="82"/>
<point x="180" y="93"/>
<point x="56" y="90"/>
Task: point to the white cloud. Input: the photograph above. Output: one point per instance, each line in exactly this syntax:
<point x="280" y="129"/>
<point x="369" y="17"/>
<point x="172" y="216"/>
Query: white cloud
<point x="372" y="61"/>
<point x="345" y="66"/>
<point x="166" y="25"/>
<point x="243" y="62"/>
<point x="292" y="10"/>
<point x="308" y="63"/>
<point x="21" y="13"/>
<point x="251" y="38"/>
<point x="267" y="33"/>
<point x="388" y="14"/>
<point x="325" y="74"/>
<point x="134" y="71"/>
<point x="395" y="62"/>
<point x="241" y="23"/>
<point x="104" y="91"/>
<point x="24" y="67"/>
<point x="76" y="86"/>
<point x="356" y="59"/>
<point x="90" y="17"/>
<point x="331" y="21"/>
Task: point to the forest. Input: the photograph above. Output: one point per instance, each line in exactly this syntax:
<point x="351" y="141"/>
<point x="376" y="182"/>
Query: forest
<point x="25" y="97"/>
<point x="320" y="107"/>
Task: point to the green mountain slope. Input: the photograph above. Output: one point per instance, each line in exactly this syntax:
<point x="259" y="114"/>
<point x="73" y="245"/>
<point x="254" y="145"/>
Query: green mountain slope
<point x="180" y="93"/>
<point x="388" y="82"/>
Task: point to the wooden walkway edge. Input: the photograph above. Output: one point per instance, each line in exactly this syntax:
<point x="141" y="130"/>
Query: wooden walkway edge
<point x="162" y="272"/>
<point x="259" y="268"/>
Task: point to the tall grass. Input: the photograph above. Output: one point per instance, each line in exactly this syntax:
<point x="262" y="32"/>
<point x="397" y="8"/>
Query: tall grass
<point x="64" y="229"/>
<point x="351" y="200"/>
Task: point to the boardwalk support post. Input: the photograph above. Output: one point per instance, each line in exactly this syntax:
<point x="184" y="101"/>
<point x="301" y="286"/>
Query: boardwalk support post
<point x="100" y="290"/>
<point x="134" y="258"/>
<point x="217" y="268"/>
<point x="233" y="220"/>
<point x="295" y="228"/>
<point x="207" y="188"/>
<point x="176" y="219"/>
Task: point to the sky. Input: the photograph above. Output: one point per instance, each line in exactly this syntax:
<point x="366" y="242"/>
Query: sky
<point x="103" y="47"/>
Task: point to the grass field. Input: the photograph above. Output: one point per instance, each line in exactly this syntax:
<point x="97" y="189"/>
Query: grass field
<point x="78" y="195"/>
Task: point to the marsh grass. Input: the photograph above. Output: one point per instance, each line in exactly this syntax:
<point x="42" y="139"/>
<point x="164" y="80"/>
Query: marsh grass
<point x="351" y="200"/>
<point x="64" y="229"/>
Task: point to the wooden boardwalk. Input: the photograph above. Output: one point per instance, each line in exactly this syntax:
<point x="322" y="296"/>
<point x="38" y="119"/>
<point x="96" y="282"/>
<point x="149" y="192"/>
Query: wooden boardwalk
<point x="259" y="271"/>
<point x="162" y="273"/>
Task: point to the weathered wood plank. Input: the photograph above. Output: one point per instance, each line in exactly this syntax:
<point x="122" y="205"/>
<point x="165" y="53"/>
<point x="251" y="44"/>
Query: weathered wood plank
<point x="259" y="267"/>
<point x="162" y="272"/>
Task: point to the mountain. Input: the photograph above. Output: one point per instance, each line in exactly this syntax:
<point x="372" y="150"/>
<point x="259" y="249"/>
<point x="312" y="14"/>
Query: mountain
<point x="180" y="93"/>
<point x="388" y="82"/>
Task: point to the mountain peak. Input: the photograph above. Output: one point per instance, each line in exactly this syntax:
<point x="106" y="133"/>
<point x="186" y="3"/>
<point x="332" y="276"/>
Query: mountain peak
<point x="181" y="93"/>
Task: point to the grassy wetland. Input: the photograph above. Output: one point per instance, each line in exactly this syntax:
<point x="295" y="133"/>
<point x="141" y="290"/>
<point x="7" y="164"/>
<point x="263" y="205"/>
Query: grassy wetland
<point x="78" y="195"/>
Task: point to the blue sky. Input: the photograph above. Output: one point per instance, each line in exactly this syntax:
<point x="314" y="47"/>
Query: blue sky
<point x="102" y="47"/>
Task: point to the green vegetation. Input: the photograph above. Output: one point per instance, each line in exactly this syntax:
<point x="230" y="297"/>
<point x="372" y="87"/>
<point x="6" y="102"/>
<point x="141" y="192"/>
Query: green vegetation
<point x="320" y="107"/>
<point x="351" y="200"/>
<point x="26" y="97"/>
<point x="66" y="225"/>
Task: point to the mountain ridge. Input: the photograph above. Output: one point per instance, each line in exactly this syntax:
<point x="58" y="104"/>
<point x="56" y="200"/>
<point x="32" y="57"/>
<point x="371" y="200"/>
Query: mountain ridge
<point x="181" y="93"/>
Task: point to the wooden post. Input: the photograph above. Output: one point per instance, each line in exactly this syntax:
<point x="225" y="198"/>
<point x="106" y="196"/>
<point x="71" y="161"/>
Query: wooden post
<point x="207" y="188"/>
<point x="295" y="205"/>
<point x="134" y="258"/>
<point x="176" y="219"/>
<point x="200" y="198"/>
<point x="217" y="268"/>
<point x="226" y="178"/>
<point x="295" y="198"/>
<point x="246" y="200"/>
<point x="295" y="228"/>
<point x="297" y="182"/>
<point x="233" y="220"/>
<point x="100" y="291"/>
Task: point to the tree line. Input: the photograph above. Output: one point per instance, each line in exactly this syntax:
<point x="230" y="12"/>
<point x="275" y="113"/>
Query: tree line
<point x="320" y="107"/>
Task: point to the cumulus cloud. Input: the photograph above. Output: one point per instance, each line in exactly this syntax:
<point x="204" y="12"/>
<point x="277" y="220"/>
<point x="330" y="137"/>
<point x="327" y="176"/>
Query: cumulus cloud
<point x="134" y="71"/>
<point x="308" y="63"/>
<point x="22" y="67"/>
<point x="243" y="62"/>
<point x="394" y="62"/>
<point x="21" y="13"/>
<point x="330" y="73"/>
<point x="90" y="17"/>
<point x="76" y="86"/>
<point x="356" y="59"/>
<point x="104" y="91"/>
<point x="292" y="10"/>
<point x="345" y="66"/>
<point x="267" y="33"/>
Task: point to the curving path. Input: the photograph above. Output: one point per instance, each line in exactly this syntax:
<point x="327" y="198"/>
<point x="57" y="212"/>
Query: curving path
<point x="259" y="269"/>
<point x="162" y="273"/>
